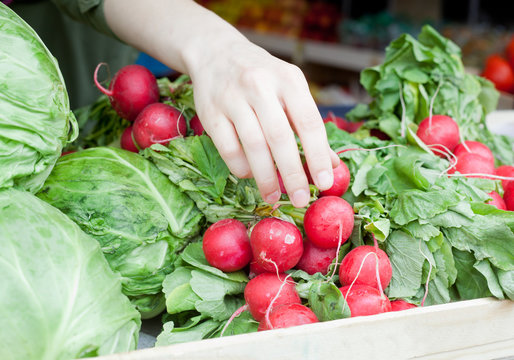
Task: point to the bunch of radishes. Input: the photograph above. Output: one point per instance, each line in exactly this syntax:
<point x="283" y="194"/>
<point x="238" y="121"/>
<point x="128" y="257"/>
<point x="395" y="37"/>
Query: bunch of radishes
<point x="470" y="158"/>
<point x="275" y="246"/>
<point x="134" y="94"/>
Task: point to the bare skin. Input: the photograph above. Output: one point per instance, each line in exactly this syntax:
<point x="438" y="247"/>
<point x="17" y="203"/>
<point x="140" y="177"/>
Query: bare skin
<point x="249" y="102"/>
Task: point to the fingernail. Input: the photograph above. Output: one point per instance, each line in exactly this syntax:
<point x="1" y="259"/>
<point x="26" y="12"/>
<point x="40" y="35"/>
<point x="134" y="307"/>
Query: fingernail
<point x="324" y="180"/>
<point x="300" y="198"/>
<point x="273" y="197"/>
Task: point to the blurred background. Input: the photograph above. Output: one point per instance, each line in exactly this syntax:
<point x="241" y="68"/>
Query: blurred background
<point x="333" y="40"/>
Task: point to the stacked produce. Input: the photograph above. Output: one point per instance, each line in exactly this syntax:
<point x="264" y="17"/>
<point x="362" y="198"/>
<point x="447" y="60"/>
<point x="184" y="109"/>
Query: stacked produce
<point x="58" y="297"/>
<point x="413" y="219"/>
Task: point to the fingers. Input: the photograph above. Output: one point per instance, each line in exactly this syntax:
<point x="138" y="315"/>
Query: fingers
<point x="257" y="151"/>
<point x="304" y="114"/>
<point x="334" y="158"/>
<point x="282" y="143"/>
<point x="225" y="138"/>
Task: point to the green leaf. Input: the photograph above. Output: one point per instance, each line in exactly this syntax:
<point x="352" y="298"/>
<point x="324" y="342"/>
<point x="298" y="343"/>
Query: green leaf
<point x="327" y="301"/>
<point x="470" y="284"/>
<point x="59" y="299"/>
<point x="171" y="335"/>
<point x="407" y="262"/>
<point x="243" y="324"/>
<point x="414" y="204"/>
<point x="484" y="267"/>
<point x="506" y="279"/>
<point x="210" y="163"/>
<point x="35" y="117"/>
<point x="487" y="237"/>
<point x="179" y="294"/>
<point x="140" y="218"/>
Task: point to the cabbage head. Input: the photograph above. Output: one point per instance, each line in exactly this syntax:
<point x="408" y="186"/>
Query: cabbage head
<point x="139" y="217"/>
<point x="35" y="116"/>
<point x="58" y="297"/>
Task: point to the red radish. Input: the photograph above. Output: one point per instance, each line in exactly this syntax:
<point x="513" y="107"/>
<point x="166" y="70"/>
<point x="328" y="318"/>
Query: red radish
<point x="67" y="152"/>
<point x="196" y="125"/>
<point x="316" y="259"/>
<point x="508" y="196"/>
<point x="506" y="171"/>
<point x="474" y="147"/>
<point x="281" y="183"/>
<point x="441" y="130"/>
<point x="379" y="134"/>
<point x="127" y="142"/>
<point x="132" y="88"/>
<point x="277" y="245"/>
<point x="255" y="269"/>
<point x="497" y="200"/>
<point x="158" y="124"/>
<point x="261" y="290"/>
<point x="361" y="263"/>
<point x="398" y="305"/>
<point x="328" y="220"/>
<point x="343" y="124"/>
<point x="288" y="315"/>
<point x="470" y="163"/>
<point x="365" y="300"/>
<point x="226" y="245"/>
<point x="498" y="70"/>
<point x="341" y="181"/>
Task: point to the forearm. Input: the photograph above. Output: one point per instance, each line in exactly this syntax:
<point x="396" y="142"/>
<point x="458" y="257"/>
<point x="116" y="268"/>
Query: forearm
<point x="181" y="33"/>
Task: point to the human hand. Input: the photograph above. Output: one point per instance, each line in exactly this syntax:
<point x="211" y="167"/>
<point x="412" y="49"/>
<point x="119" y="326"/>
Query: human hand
<point x="251" y="104"/>
<point x="248" y="101"/>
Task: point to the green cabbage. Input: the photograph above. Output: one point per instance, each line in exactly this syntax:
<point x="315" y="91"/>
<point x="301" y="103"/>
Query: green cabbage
<point x="58" y="297"/>
<point x="141" y="219"/>
<point x="35" y="115"/>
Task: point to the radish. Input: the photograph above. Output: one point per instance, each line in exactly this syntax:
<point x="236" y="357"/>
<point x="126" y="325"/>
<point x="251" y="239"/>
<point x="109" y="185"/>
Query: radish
<point x="64" y="153"/>
<point x="439" y="130"/>
<point x="132" y="88"/>
<point x="497" y="200"/>
<point x="474" y="147"/>
<point x="281" y="183"/>
<point x="158" y="124"/>
<point x="506" y="171"/>
<point x="288" y="315"/>
<point x="316" y="259"/>
<point x="359" y="266"/>
<point x="328" y="222"/>
<point x="508" y="196"/>
<point x="127" y="142"/>
<point x="263" y="289"/>
<point x="226" y="245"/>
<point x="277" y="245"/>
<point x="365" y="300"/>
<point x="255" y="269"/>
<point x="341" y="181"/>
<point x="343" y="124"/>
<point x="196" y="125"/>
<point x="398" y="305"/>
<point x="472" y="165"/>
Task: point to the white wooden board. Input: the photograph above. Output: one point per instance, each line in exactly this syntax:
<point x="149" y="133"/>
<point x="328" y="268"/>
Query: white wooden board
<point x="474" y="329"/>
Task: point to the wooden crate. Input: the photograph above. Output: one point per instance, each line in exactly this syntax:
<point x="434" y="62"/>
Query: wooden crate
<point x="474" y="329"/>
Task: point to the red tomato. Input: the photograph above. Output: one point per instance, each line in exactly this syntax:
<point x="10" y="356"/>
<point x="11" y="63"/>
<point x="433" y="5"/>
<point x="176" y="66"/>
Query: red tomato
<point x="498" y="70"/>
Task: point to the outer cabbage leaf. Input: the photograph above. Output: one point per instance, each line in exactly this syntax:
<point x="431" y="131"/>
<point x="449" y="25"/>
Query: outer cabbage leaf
<point x="139" y="217"/>
<point x="35" y="116"/>
<point x="58" y="297"/>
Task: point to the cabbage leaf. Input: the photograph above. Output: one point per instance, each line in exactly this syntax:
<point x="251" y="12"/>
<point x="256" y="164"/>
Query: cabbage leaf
<point x="35" y="116"/>
<point x="58" y="297"/>
<point x="139" y="217"/>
